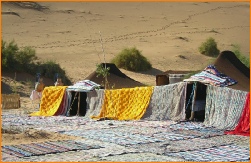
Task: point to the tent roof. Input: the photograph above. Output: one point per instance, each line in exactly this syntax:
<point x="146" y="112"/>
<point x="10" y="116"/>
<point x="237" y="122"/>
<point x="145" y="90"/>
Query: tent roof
<point x="230" y="65"/>
<point x="116" y="78"/>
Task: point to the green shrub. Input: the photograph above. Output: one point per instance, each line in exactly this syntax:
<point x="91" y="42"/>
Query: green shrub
<point x="48" y="69"/>
<point x="209" y="48"/>
<point x="131" y="59"/>
<point x="102" y="71"/>
<point x="26" y="55"/>
<point x="14" y="58"/>
<point x="9" y="51"/>
<point x="23" y="60"/>
<point x="236" y="50"/>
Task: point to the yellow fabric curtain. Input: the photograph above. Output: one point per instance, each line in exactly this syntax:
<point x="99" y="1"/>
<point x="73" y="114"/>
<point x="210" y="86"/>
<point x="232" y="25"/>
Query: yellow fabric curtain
<point x="125" y="103"/>
<point x="51" y="100"/>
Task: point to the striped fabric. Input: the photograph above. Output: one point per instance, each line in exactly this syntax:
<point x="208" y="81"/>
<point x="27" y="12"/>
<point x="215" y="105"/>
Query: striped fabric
<point x="223" y="107"/>
<point x="42" y="148"/>
<point x="210" y="75"/>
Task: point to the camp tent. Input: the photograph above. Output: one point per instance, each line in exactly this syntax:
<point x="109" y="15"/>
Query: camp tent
<point x="168" y="92"/>
<point x="116" y="78"/>
<point x="77" y="97"/>
<point x="230" y="65"/>
<point x="223" y="98"/>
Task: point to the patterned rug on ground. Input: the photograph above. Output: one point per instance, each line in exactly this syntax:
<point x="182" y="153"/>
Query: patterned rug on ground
<point x="187" y="126"/>
<point x="113" y="136"/>
<point x="133" y="135"/>
<point x="168" y="145"/>
<point x="50" y="147"/>
<point x="193" y="144"/>
<point x="196" y="129"/>
<point x="225" y="153"/>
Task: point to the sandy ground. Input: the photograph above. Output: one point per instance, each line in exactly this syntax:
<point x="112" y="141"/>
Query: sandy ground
<point x="69" y="34"/>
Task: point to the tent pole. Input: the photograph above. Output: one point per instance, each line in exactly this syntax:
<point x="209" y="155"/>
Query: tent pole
<point x="193" y="102"/>
<point x="78" y="103"/>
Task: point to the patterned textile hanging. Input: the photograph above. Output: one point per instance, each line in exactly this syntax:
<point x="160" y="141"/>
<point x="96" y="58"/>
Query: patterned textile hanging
<point x="243" y="127"/>
<point x="167" y="103"/>
<point x="210" y="75"/>
<point x="94" y="101"/>
<point x="223" y="107"/>
<point x="125" y="103"/>
<point x="51" y="101"/>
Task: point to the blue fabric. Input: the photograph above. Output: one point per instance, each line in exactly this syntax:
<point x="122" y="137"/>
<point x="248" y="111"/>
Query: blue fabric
<point x="229" y="81"/>
<point x="210" y="75"/>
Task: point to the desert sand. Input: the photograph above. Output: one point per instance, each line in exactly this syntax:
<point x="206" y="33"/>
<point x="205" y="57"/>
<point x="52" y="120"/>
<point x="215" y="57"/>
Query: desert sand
<point x="69" y="34"/>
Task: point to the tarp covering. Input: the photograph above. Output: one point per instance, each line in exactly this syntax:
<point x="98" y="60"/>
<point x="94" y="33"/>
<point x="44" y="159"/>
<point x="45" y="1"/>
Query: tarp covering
<point x="167" y="103"/>
<point x="224" y="107"/>
<point x="243" y="127"/>
<point x="51" y="100"/>
<point x="126" y="103"/>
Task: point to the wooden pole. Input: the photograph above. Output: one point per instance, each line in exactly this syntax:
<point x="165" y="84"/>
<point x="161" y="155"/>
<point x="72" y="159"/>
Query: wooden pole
<point x="78" y="103"/>
<point x="193" y="102"/>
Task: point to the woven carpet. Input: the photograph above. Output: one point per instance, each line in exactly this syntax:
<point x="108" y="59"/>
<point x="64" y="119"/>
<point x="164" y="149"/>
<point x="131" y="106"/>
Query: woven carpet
<point x="108" y="135"/>
<point x="195" y="129"/>
<point x="146" y="131"/>
<point x="192" y="144"/>
<point x="187" y="126"/>
<point x="153" y="124"/>
<point x="222" y="153"/>
<point x="243" y="141"/>
<point x="173" y="136"/>
<point x="169" y="145"/>
<point x="158" y="147"/>
<point x="36" y="149"/>
<point x="43" y="122"/>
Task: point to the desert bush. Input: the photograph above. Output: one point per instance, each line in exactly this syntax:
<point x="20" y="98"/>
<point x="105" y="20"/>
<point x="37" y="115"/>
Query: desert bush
<point x="48" y="69"/>
<point x="26" y="55"/>
<point x="9" y="51"/>
<point x="131" y="59"/>
<point x="209" y="48"/>
<point x="14" y="58"/>
<point x="24" y="60"/>
<point x="236" y="50"/>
